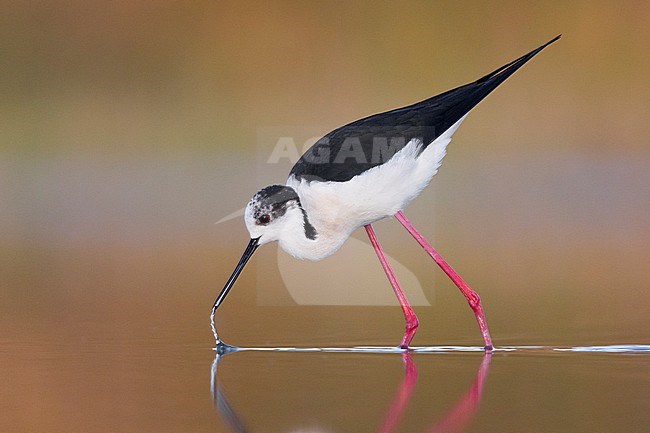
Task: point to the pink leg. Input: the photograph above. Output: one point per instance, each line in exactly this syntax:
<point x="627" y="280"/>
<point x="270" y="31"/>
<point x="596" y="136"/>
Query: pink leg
<point x="409" y="314"/>
<point x="472" y="297"/>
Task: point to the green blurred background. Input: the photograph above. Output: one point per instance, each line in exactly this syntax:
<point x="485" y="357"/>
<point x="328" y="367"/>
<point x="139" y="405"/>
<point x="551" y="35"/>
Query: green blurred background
<point x="128" y="128"/>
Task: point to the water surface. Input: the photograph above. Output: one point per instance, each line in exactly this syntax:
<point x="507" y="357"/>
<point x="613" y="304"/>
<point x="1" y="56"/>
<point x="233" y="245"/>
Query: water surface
<point x="104" y="376"/>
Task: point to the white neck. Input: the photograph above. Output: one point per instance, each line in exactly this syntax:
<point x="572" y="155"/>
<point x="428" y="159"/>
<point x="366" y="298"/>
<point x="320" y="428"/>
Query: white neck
<point x="294" y="239"/>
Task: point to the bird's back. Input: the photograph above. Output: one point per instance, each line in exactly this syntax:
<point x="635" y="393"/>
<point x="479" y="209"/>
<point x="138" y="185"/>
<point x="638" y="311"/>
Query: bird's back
<point x="356" y="147"/>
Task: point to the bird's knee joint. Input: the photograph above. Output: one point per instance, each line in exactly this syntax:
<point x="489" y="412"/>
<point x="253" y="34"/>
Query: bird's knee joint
<point x="474" y="301"/>
<point x="412" y="324"/>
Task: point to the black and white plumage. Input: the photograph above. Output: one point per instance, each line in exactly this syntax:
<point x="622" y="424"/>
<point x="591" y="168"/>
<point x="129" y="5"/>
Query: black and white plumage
<point x="362" y="172"/>
<point x="424" y="121"/>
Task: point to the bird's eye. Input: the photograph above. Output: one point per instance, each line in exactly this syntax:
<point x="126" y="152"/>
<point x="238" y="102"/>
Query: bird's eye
<point x="264" y="219"/>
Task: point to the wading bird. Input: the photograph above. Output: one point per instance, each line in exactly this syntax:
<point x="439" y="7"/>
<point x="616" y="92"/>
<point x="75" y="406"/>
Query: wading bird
<point x="360" y="173"/>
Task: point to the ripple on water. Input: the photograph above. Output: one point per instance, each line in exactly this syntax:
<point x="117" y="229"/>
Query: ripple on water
<point x="618" y="348"/>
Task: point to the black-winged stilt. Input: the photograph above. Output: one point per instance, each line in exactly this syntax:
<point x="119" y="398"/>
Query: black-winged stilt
<point x="360" y="173"/>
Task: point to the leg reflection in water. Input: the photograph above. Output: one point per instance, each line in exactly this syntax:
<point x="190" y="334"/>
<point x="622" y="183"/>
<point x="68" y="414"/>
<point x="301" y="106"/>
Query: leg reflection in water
<point x="464" y="410"/>
<point x="455" y="419"/>
<point x="402" y="396"/>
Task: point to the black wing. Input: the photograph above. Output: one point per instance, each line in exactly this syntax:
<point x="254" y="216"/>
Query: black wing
<point x="358" y="146"/>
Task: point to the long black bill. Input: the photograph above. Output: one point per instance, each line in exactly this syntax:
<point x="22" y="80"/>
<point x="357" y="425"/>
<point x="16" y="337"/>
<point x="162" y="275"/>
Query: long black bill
<point x="248" y="252"/>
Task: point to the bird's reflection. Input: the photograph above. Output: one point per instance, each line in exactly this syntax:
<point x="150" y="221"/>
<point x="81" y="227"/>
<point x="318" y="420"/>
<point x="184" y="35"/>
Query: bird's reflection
<point x="402" y="396"/>
<point x="454" y="420"/>
<point x="220" y="401"/>
<point x="464" y="410"/>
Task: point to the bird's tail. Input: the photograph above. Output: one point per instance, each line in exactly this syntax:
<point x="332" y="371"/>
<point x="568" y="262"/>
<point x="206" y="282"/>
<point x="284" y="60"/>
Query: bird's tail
<point x="497" y="77"/>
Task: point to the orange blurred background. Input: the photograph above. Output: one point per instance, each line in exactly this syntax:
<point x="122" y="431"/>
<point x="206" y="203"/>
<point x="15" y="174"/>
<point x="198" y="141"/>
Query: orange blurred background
<point x="128" y="128"/>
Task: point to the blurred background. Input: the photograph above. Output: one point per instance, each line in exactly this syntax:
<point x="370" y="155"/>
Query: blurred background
<point x="128" y="128"/>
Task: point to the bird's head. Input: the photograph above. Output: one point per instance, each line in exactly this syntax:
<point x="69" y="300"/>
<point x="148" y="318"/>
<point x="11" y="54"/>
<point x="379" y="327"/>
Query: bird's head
<point x="273" y="211"/>
<point x="270" y="211"/>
